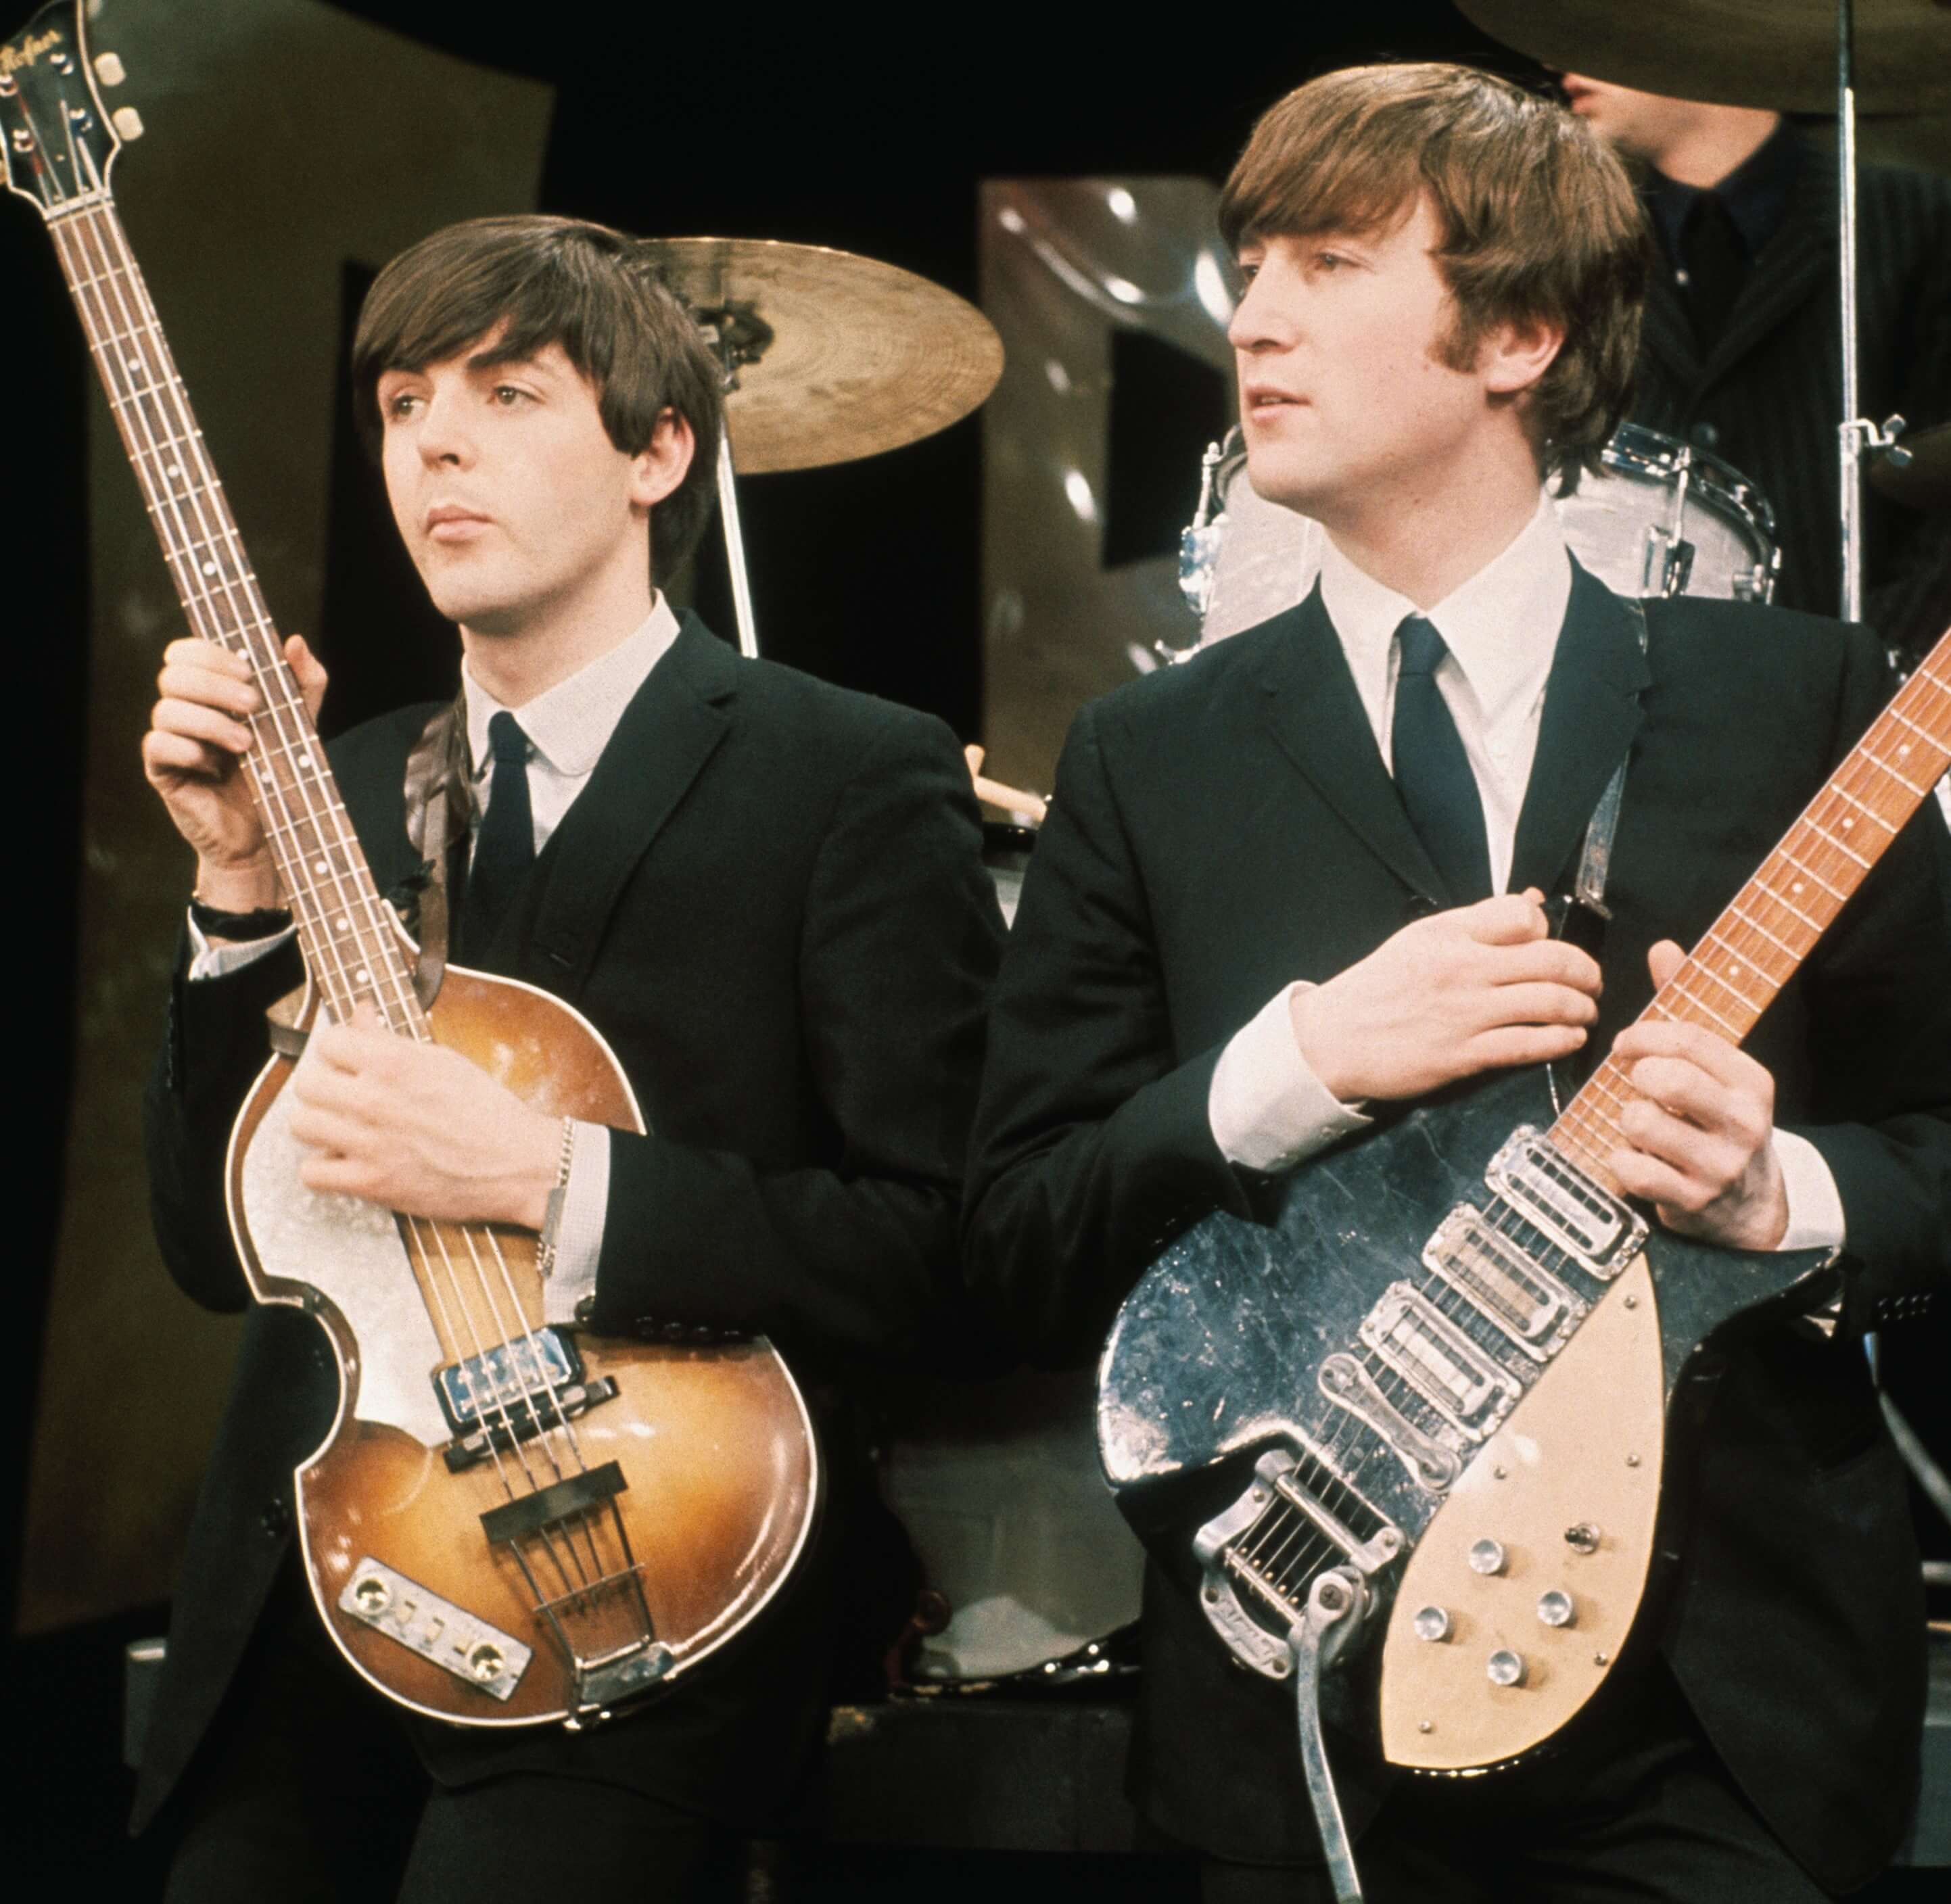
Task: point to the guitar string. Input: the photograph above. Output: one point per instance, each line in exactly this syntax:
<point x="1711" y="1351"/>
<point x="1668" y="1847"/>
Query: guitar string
<point x="132" y="408"/>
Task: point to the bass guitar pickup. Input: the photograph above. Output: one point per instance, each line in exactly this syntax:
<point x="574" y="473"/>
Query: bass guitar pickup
<point x="1599" y="1232"/>
<point x="511" y="1393"/>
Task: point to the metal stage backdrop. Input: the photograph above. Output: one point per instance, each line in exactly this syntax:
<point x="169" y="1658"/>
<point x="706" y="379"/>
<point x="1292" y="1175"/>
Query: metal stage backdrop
<point x="1060" y="171"/>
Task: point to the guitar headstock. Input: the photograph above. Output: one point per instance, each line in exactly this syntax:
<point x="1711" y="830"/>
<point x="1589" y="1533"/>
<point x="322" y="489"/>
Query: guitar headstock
<point x="57" y="140"/>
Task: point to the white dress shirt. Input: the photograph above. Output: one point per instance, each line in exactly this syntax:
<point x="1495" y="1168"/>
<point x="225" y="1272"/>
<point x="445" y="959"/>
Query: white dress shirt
<point x="1268" y="1109"/>
<point x="568" y="728"/>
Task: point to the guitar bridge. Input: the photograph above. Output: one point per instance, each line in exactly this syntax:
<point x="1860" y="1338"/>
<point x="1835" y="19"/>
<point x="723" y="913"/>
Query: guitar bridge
<point x="600" y="1622"/>
<point x="1296" y="1519"/>
<point x="1593" y="1227"/>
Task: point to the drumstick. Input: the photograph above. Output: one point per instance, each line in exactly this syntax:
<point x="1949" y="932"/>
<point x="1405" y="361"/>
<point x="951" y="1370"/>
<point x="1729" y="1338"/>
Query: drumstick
<point x="1012" y="800"/>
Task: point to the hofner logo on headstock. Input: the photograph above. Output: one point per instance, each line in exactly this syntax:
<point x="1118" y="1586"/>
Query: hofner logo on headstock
<point x="12" y="58"/>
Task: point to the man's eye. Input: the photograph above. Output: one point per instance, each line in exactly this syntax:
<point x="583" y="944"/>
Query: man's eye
<point x="507" y="395"/>
<point x="1247" y="273"/>
<point x="401" y="405"/>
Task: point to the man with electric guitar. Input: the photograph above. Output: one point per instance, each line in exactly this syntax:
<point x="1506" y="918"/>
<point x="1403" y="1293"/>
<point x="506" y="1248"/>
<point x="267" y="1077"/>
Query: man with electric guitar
<point x="1295" y="901"/>
<point x="766" y="894"/>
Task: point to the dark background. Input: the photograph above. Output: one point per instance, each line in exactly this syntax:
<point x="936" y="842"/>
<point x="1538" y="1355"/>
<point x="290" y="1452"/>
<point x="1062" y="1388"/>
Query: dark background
<point x="872" y="138"/>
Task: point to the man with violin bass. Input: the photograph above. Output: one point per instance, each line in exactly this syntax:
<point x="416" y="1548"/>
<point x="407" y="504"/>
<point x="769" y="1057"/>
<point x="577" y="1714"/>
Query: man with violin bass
<point x="740" y="1152"/>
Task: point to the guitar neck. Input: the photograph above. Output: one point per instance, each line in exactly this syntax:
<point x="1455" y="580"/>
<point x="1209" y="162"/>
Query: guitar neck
<point x="345" y="927"/>
<point x="1757" y="943"/>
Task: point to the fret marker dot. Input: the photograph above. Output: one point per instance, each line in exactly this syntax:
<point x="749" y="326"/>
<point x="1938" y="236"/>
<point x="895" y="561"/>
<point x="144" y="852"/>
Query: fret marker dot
<point x="1849" y="822"/>
<point x="318" y="865"/>
<point x="1733" y="972"/>
<point x="1903" y="752"/>
<point x="210" y="568"/>
<point x="172" y="472"/>
<point x="130" y="364"/>
<point x="1797" y="887"/>
<point x="362" y="974"/>
<point x="339" y="924"/>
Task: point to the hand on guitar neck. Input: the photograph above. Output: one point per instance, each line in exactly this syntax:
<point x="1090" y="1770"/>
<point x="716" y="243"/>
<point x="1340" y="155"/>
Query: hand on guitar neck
<point x="192" y="755"/>
<point x="1703" y="1134"/>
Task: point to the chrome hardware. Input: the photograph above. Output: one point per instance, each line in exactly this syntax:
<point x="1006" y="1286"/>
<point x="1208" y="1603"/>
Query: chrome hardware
<point x="1336" y="1609"/>
<point x="1599" y="1232"/>
<point x="128" y="121"/>
<point x="1555" y="1608"/>
<point x="1432" y="1623"/>
<point x="1487" y="1557"/>
<point x="456" y="1640"/>
<point x="109" y="70"/>
<point x="1281" y="1482"/>
<point x="1199" y="549"/>
<point x="1423" y="1345"/>
<point x="1346" y="1383"/>
<point x="1505" y="1668"/>
<point x="1583" y="1538"/>
<point x="1491" y="1272"/>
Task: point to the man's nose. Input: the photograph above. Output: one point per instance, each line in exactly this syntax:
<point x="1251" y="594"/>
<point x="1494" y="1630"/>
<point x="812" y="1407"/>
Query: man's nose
<point x="1261" y="321"/>
<point x="444" y="434"/>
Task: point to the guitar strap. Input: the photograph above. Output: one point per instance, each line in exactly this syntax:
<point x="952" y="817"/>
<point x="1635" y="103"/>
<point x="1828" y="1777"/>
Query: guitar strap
<point x="1595" y="862"/>
<point x="435" y="806"/>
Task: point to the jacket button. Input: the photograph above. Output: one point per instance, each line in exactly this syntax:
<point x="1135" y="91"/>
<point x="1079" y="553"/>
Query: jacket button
<point x="275" y="1520"/>
<point x="1419" y="905"/>
<point x="585" y="1307"/>
<point x="1704" y="436"/>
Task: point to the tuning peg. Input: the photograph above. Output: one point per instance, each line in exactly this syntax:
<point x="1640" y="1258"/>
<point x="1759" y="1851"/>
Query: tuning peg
<point x="127" y="121"/>
<point x="109" y="70"/>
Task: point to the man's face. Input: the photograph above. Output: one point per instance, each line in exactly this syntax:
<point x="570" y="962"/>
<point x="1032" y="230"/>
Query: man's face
<point x="509" y="494"/>
<point x="1641" y="125"/>
<point x="1344" y="395"/>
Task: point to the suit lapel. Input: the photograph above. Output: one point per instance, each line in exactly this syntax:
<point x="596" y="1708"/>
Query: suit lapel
<point x="673" y="725"/>
<point x="1318" y="721"/>
<point x="1591" y="713"/>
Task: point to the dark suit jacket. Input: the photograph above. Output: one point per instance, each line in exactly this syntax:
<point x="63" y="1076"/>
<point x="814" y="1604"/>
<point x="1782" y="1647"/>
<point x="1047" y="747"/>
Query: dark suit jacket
<point x="1768" y="397"/>
<point x="1224" y="828"/>
<point x="769" y="899"/>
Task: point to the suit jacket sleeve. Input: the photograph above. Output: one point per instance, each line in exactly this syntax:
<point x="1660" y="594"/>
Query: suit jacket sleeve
<point x="1093" y="1146"/>
<point x="1880" y="1031"/>
<point x="857" y="1257"/>
<point x="214" y="1046"/>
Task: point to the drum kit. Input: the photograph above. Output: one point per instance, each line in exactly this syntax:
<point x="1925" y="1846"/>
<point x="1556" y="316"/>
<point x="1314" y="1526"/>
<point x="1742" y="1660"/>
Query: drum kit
<point x="827" y="356"/>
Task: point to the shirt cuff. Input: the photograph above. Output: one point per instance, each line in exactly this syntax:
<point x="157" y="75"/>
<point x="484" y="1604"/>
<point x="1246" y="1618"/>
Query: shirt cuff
<point x="218" y="958"/>
<point x="1268" y="1109"/>
<point x="578" y="1235"/>
<point x="1815" y="1204"/>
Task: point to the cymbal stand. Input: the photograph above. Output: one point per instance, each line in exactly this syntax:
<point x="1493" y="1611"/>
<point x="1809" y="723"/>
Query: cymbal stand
<point x="736" y="337"/>
<point x="734" y="543"/>
<point x="1857" y="437"/>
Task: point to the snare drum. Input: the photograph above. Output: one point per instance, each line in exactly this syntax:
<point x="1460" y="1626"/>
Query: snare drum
<point x="1662" y="519"/>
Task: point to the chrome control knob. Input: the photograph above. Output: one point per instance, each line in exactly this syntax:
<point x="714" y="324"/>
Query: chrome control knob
<point x="1505" y="1668"/>
<point x="1555" y="1608"/>
<point x="1431" y="1623"/>
<point x="1487" y="1557"/>
<point x="1582" y="1537"/>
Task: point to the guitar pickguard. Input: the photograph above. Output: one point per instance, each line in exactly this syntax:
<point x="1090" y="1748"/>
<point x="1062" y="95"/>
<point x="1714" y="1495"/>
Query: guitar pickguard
<point x="350" y="1251"/>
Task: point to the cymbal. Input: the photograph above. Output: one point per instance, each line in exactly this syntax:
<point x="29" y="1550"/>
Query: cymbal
<point x="1923" y="482"/>
<point x="1780" y="54"/>
<point x="836" y="356"/>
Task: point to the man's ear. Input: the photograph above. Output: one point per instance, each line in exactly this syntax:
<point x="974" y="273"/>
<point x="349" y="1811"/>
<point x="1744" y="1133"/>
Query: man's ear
<point x="657" y="469"/>
<point x="1513" y="357"/>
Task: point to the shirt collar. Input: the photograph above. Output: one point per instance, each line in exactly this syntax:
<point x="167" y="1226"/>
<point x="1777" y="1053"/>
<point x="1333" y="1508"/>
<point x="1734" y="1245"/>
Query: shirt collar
<point x="1501" y="626"/>
<point x="570" y="725"/>
<point x="1755" y="193"/>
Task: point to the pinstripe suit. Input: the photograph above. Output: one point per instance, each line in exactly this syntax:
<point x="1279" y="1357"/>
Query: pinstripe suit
<point x="1768" y="396"/>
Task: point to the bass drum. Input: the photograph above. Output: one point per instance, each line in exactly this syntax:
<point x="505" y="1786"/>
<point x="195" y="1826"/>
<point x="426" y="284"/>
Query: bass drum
<point x="1662" y="519"/>
<point x="999" y="1486"/>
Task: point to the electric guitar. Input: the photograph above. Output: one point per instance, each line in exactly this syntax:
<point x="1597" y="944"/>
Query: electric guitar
<point x="507" y="1523"/>
<point x="1436" y="1387"/>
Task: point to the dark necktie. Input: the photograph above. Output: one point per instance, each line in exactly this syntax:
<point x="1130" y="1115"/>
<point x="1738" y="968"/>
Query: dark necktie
<point x="1432" y="771"/>
<point x="506" y="848"/>
<point x="1716" y="266"/>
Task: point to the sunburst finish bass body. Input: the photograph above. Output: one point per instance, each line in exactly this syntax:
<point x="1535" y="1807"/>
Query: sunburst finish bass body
<point x="1432" y="1393"/>
<point x="507" y="1523"/>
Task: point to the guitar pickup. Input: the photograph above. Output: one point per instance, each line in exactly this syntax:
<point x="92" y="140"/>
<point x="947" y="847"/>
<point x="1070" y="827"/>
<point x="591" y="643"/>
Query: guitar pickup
<point x="1492" y="1272"/>
<point x="1412" y="1337"/>
<point x="1601" y="1233"/>
<point x="512" y="1393"/>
